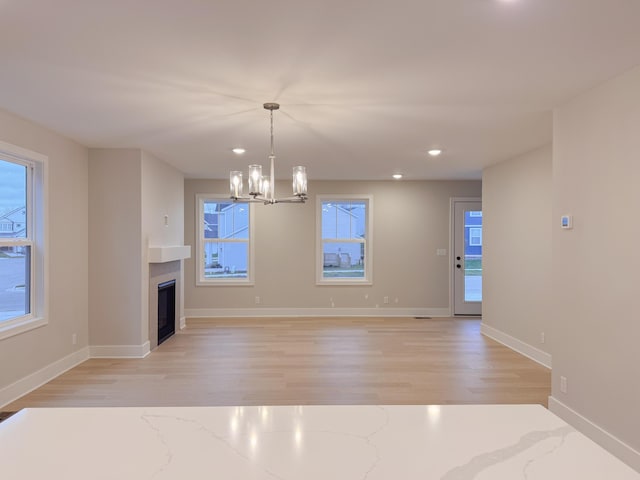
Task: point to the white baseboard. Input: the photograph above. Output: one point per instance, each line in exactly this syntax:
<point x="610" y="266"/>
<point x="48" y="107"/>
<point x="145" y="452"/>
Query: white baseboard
<point x="609" y="442"/>
<point x="315" y="312"/>
<point x="120" y="351"/>
<point x="29" y="383"/>
<point x="183" y="322"/>
<point x="535" y="354"/>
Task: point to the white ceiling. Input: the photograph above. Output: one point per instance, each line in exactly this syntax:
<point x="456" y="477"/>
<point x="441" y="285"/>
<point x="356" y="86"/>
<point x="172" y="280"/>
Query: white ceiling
<point x="366" y="86"/>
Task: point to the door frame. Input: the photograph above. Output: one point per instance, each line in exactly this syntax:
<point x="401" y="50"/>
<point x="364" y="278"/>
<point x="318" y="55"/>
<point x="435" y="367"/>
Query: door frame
<point x="452" y="226"/>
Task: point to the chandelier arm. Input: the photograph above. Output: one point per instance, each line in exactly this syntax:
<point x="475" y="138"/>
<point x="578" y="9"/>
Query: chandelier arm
<point x="300" y="199"/>
<point x="247" y="199"/>
<point x="270" y="201"/>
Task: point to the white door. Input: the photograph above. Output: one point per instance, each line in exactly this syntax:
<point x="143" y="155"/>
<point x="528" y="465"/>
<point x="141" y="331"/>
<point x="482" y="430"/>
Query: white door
<point x="467" y="257"/>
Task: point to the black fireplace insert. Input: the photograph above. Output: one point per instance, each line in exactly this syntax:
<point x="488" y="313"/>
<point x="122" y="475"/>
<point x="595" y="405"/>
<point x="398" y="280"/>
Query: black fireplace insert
<point x="166" y="310"/>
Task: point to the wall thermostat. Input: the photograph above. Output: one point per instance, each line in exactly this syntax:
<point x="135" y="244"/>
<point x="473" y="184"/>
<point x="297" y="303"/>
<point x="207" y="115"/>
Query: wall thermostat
<point x="566" y="221"/>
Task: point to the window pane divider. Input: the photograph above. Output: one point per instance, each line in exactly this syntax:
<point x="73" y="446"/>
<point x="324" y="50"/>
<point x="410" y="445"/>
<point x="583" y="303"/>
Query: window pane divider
<point x="344" y="240"/>
<point x="226" y="240"/>
<point x="10" y="242"/>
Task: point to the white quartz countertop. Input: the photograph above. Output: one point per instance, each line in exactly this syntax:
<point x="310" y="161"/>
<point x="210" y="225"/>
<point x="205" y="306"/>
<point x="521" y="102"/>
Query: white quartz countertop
<point x="453" y="442"/>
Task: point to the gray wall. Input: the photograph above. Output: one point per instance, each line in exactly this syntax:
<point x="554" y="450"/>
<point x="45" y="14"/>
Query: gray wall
<point x="162" y="194"/>
<point x="516" y="205"/>
<point x="596" y="332"/>
<point x="115" y="253"/>
<point x="411" y="221"/>
<point x="130" y="193"/>
<point x="24" y="354"/>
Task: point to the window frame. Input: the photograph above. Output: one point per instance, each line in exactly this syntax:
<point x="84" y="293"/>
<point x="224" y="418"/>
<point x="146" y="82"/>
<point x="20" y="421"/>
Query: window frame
<point x="367" y="241"/>
<point x="201" y="280"/>
<point x="36" y="239"/>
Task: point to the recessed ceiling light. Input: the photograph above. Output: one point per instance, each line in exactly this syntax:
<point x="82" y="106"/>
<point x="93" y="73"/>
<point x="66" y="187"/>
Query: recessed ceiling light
<point x="397" y="176"/>
<point x="238" y="150"/>
<point x="434" y="152"/>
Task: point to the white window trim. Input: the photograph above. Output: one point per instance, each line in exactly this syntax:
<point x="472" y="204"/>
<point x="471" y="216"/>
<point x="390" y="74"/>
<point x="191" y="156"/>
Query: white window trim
<point x="38" y="226"/>
<point x="368" y="268"/>
<point x="212" y="282"/>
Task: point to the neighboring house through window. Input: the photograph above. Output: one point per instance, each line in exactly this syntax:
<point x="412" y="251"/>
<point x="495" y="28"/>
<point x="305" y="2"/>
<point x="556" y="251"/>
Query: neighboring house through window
<point x="475" y="236"/>
<point x="22" y="240"/>
<point x="225" y="245"/>
<point x="344" y="239"/>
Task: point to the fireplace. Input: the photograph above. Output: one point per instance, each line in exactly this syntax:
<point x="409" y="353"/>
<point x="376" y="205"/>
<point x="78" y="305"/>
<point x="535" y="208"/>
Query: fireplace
<point x="166" y="310"/>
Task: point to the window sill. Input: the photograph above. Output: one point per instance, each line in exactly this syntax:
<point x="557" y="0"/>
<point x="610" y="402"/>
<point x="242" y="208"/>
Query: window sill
<point x="225" y="283"/>
<point x="346" y="281"/>
<point x="10" y="328"/>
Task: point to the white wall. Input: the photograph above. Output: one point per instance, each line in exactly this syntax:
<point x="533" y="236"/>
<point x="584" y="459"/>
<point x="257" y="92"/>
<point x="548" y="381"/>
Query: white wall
<point x="596" y="266"/>
<point x="25" y="354"/>
<point x="411" y="221"/>
<point x="516" y="205"/>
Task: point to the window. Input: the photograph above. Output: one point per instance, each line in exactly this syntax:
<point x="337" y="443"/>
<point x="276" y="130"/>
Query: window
<point x="344" y="239"/>
<point x="225" y="246"/>
<point x="475" y="237"/>
<point x="22" y="240"/>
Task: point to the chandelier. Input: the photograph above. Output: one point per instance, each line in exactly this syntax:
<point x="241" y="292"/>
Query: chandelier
<point x="262" y="188"/>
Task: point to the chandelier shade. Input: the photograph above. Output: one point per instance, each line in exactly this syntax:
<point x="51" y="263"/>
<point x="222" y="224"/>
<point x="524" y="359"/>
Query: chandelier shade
<point x="235" y="183"/>
<point x="261" y="188"/>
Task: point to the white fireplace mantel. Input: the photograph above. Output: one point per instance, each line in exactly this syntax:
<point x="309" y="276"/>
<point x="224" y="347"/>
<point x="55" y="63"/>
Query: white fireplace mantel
<point x="168" y="253"/>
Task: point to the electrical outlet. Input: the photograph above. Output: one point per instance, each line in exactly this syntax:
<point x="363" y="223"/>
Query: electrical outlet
<point x="74" y="339"/>
<point x="257" y="300"/>
<point x="563" y="384"/>
<point x="541" y="337"/>
<point x="385" y="300"/>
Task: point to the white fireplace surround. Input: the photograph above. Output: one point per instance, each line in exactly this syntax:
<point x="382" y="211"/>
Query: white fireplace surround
<point x="168" y="253"/>
<point x="164" y="265"/>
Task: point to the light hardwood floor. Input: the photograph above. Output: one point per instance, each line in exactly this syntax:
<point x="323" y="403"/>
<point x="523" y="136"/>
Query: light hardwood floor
<point x="306" y="361"/>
